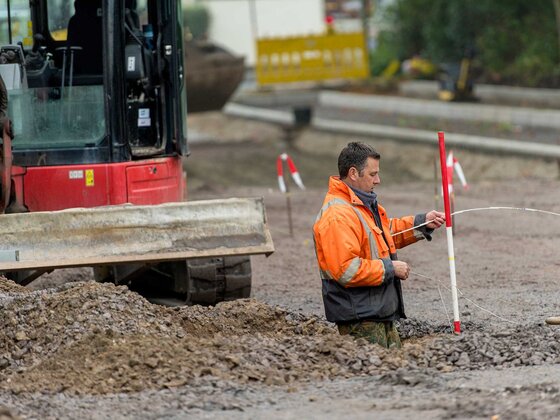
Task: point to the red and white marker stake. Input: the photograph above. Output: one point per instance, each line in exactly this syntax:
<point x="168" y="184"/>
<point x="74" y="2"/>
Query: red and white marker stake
<point x="449" y="232"/>
<point x="453" y="164"/>
<point x="284" y="157"/>
<point x="280" y="173"/>
<point x="284" y="187"/>
<point x="449" y="167"/>
<point x="460" y="174"/>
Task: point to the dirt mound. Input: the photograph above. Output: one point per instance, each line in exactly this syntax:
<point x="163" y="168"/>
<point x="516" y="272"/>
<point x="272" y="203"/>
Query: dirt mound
<point x="99" y="338"/>
<point x="105" y="363"/>
<point x="8" y="286"/>
<point x="35" y="325"/>
<point x="247" y="317"/>
<point x="91" y="338"/>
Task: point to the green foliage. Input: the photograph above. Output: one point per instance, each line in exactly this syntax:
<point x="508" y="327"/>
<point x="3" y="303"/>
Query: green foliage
<point x="409" y="35"/>
<point x="380" y="58"/>
<point x="450" y="29"/>
<point x="514" y="41"/>
<point x="197" y="20"/>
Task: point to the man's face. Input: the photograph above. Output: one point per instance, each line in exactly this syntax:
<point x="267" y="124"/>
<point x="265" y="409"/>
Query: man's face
<point x="368" y="179"/>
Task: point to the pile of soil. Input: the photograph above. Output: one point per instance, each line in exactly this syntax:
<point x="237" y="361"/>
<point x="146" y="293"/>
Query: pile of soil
<point x="8" y="286"/>
<point x="92" y="338"/>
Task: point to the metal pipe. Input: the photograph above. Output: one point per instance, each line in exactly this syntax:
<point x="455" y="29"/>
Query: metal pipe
<point x="9" y="22"/>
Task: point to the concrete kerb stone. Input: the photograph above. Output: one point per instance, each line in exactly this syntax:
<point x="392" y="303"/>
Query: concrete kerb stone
<point x="496" y="145"/>
<point x="531" y="117"/>
<point x="514" y="95"/>
<point x="274" y="116"/>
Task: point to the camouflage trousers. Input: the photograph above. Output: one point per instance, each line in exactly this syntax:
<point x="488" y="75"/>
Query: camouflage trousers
<point x="383" y="333"/>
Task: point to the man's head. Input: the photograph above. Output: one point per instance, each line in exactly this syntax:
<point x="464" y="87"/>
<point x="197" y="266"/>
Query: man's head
<point x="358" y="166"/>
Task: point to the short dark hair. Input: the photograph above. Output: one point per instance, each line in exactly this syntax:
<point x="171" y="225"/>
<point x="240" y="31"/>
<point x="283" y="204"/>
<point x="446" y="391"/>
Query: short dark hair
<point x="355" y="154"/>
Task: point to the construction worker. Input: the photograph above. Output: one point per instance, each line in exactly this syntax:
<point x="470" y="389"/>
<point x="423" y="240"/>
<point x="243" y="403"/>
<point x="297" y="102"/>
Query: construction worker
<point x="357" y="254"/>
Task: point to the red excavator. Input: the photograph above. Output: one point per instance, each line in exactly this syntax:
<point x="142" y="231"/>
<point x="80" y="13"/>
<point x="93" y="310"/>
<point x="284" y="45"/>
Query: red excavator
<point x="92" y="156"/>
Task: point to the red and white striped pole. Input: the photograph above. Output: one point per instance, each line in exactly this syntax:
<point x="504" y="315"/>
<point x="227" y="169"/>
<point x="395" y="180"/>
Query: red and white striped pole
<point x="280" y="173"/>
<point x="449" y="165"/>
<point x="460" y="174"/>
<point x="449" y="232"/>
<point x="284" y="157"/>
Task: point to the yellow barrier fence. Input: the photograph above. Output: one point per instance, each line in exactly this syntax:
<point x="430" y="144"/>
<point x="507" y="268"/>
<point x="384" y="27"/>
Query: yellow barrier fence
<point x="311" y="58"/>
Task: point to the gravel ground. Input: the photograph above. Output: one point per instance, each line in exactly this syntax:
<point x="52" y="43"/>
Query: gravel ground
<point x="88" y="350"/>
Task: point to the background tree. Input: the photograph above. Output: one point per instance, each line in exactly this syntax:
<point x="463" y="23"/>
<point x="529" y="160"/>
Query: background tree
<point x="516" y="41"/>
<point x="197" y="20"/>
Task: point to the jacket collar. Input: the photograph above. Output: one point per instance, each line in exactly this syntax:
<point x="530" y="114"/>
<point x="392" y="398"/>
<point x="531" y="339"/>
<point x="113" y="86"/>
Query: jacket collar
<point x="338" y="188"/>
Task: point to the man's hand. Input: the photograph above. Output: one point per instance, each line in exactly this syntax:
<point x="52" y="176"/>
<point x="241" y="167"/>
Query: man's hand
<point x="402" y="269"/>
<point x="436" y="219"/>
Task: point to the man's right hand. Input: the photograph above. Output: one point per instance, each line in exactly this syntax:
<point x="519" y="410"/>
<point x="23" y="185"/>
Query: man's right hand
<point x="402" y="269"/>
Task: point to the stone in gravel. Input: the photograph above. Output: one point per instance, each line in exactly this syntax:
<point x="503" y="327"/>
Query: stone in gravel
<point x="6" y="414"/>
<point x="375" y="360"/>
<point x="234" y="360"/>
<point x="464" y="360"/>
<point x="152" y="362"/>
<point x="4" y="362"/>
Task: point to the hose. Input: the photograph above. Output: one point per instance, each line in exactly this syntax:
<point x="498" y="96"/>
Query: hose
<point x="3" y="98"/>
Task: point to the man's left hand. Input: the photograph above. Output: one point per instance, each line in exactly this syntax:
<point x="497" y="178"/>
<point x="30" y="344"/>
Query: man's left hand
<point x="436" y="219"/>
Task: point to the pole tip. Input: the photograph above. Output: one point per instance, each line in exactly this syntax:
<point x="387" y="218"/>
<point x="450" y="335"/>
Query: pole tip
<point x="457" y="327"/>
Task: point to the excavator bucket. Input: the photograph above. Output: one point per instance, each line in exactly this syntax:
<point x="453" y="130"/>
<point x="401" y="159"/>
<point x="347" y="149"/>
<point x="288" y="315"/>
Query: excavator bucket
<point x="133" y="234"/>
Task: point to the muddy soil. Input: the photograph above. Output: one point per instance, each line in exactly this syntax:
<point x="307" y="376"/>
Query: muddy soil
<point x="71" y="348"/>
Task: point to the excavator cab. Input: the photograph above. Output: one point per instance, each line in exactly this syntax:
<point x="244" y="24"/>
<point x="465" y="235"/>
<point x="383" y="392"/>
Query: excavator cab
<point x="97" y="103"/>
<point x="76" y="55"/>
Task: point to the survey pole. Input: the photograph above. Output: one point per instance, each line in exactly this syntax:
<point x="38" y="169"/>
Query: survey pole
<point x="449" y="233"/>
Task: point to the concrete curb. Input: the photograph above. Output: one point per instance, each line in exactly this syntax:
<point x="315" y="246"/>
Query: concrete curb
<point x="513" y="95"/>
<point x="261" y="114"/>
<point x="530" y="117"/>
<point x="490" y="144"/>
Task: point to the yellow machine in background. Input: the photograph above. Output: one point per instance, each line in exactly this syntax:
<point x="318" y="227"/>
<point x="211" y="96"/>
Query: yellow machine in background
<point x="455" y="81"/>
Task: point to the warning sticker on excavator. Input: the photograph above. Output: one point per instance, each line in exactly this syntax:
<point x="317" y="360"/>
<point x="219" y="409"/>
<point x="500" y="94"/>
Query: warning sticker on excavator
<point x="89" y="178"/>
<point x="144" y="119"/>
<point x="76" y="174"/>
<point x="131" y="64"/>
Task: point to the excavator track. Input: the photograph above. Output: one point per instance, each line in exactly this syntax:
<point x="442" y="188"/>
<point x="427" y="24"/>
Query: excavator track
<point x="219" y="279"/>
<point x="201" y="281"/>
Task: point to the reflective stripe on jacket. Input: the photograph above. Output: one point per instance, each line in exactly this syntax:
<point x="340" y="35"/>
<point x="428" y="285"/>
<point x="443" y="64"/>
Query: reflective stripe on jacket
<point x="355" y="259"/>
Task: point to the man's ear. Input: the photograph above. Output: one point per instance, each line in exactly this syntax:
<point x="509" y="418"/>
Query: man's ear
<point x="353" y="173"/>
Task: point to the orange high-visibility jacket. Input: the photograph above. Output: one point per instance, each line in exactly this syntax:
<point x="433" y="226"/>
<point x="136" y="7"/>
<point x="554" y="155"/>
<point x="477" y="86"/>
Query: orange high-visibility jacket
<point x="354" y="258"/>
